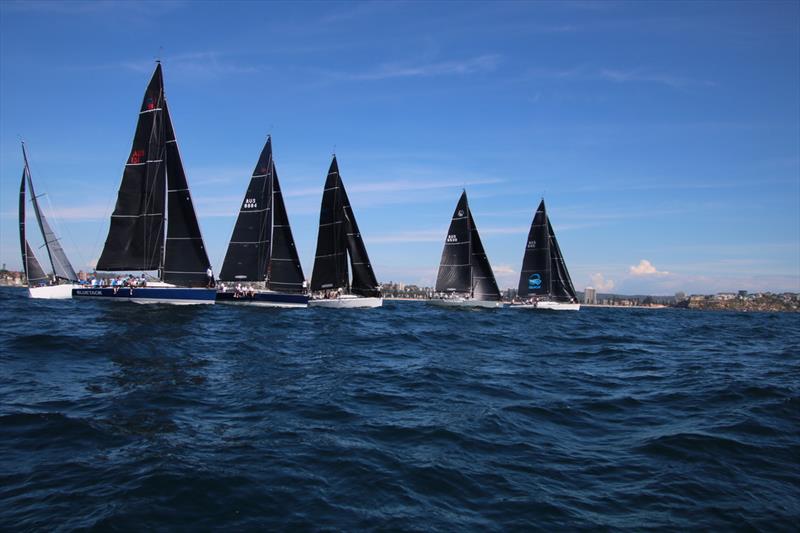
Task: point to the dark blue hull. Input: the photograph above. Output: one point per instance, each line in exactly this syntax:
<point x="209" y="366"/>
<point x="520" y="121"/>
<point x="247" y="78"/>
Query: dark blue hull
<point x="167" y="295"/>
<point x="264" y="299"/>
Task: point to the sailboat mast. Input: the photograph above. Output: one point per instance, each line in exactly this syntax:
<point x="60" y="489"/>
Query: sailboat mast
<point x="23" y="241"/>
<point x="469" y="240"/>
<point x="271" y="216"/>
<point x="549" y="252"/>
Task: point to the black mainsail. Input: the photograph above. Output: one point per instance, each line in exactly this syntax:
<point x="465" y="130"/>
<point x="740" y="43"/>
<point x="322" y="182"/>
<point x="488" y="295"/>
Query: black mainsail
<point x="262" y="247"/>
<point x="141" y="235"/>
<point x="544" y="272"/>
<point x="135" y="238"/>
<point x="455" y="270"/>
<point x="464" y="266"/>
<point x="33" y="269"/>
<point x="339" y="236"/>
<point x="248" y="250"/>
<point x="330" y="261"/>
<point x="61" y="267"/>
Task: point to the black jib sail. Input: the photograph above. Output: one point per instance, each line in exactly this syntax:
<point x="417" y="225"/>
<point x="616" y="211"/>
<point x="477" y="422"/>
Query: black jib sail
<point x="364" y="281"/>
<point x="330" y="261"/>
<point x="185" y="257"/>
<point x="561" y="284"/>
<point x="62" y="268"/>
<point x="136" y="237"/>
<point x="284" y="272"/>
<point x="455" y="272"/>
<point x="248" y="251"/>
<point x="33" y="269"/>
<point x="534" y="277"/>
<point x="484" y="286"/>
<point x="544" y="272"/>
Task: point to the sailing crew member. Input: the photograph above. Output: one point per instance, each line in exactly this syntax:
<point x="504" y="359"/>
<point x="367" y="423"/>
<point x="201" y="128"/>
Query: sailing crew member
<point x="210" y="276"/>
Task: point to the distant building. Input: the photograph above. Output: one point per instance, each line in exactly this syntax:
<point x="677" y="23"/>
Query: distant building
<point x="680" y="296"/>
<point x="723" y="296"/>
<point x="742" y="294"/>
<point x="589" y="296"/>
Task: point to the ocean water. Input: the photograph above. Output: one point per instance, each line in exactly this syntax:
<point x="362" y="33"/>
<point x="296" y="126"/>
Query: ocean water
<point x="116" y="416"/>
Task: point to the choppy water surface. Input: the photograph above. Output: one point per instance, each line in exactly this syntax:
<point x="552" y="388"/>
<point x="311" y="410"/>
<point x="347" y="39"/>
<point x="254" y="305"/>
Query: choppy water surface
<point x="116" y="415"/>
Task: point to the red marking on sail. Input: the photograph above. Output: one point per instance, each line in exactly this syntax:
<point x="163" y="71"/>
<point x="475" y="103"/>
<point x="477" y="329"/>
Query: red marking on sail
<point x="137" y="157"/>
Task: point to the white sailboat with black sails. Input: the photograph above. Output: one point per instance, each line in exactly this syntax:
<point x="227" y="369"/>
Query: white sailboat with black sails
<point x="261" y="252"/>
<point x="544" y="281"/>
<point x="154" y="226"/>
<point x="338" y="238"/>
<point x="465" y="277"/>
<point x="60" y="283"/>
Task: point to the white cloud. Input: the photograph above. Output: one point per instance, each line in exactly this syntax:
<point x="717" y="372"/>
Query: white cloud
<point x="600" y="283"/>
<point x="482" y="63"/>
<point x="646" y="268"/>
<point x="503" y="269"/>
<point x="644" y="76"/>
<point x="615" y="75"/>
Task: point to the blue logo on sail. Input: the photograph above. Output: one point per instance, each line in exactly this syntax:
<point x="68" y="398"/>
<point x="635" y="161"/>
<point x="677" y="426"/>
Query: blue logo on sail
<point x="534" y="282"/>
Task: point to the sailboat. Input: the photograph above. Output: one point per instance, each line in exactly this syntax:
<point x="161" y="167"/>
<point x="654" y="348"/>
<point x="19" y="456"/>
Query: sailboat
<point x="154" y="226"/>
<point x="337" y="239"/>
<point x="261" y="250"/>
<point x="60" y="284"/>
<point x="544" y="278"/>
<point x="465" y="278"/>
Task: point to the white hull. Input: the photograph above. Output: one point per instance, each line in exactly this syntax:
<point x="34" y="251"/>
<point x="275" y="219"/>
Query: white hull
<point x="347" y="302"/>
<point x="52" y="292"/>
<point x="551" y="306"/>
<point x="465" y="303"/>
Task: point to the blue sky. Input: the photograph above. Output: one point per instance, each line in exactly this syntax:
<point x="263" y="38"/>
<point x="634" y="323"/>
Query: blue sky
<point x="665" y="137"/>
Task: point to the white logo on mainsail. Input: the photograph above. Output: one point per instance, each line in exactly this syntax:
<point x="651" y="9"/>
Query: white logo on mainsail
<point x="249" y="203"/>
<point x="461" y="212"/>
<point x="452" y="238"/>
